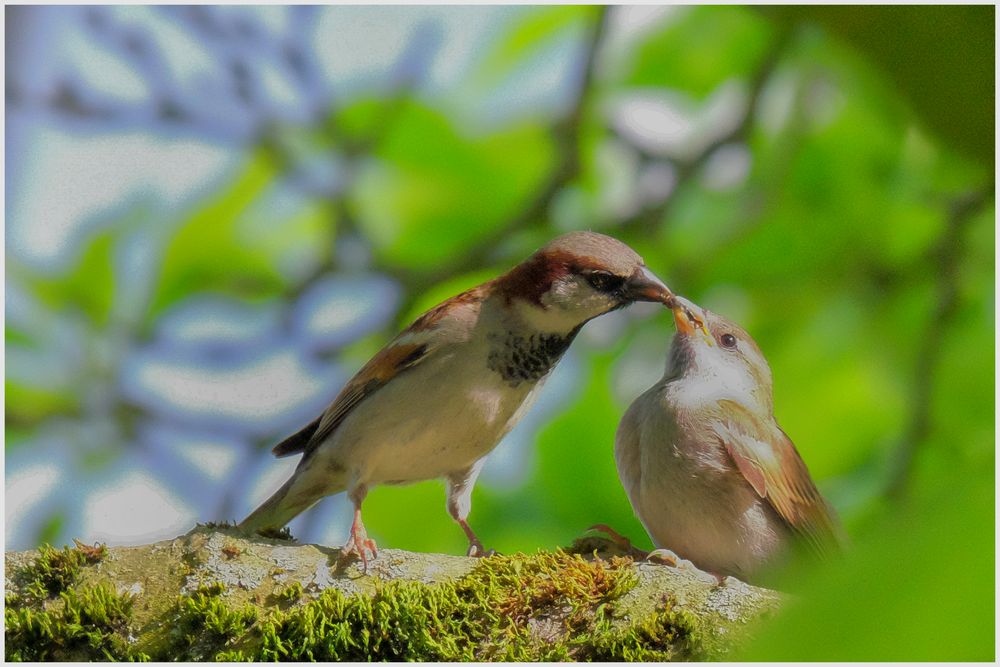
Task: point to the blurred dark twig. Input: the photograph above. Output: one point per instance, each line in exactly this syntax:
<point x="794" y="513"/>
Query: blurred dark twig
<point x="240" y="109"/>
<point x="647" y="221"/>
<point x="566" y="137"/>
<point x="947" y="260"/>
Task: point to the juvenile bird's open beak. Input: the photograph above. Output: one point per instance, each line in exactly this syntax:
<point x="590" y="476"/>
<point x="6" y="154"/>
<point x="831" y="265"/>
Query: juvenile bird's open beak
<point x="643" y="285"/>
<point x="689" y="319"/>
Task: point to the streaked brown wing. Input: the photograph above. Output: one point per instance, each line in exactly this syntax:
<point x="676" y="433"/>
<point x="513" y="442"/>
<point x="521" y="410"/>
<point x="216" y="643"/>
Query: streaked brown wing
<point x="296" y="443"/>
<point x="388" y="363"/>
<point x="768" y="460"/>
<point x="445" y="322"/>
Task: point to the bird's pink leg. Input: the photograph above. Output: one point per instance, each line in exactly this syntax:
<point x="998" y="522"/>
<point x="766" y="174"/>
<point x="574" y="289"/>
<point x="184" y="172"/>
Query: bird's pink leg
<point x="459" y="492"/>
<point x="617" y="538"/>
<point x="661" y="556"/>
<point x="359" y="542"/>
<point x="476" y="547"/>
<point x="670" y="559"/>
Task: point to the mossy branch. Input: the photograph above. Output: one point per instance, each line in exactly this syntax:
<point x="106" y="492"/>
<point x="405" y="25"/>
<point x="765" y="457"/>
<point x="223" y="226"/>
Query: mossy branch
<point x="216" y="593"/>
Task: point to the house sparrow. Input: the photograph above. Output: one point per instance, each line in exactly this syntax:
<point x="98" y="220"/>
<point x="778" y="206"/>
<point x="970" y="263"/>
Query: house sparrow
<point x="440" y="396"/>
<point x="706" y="467"/>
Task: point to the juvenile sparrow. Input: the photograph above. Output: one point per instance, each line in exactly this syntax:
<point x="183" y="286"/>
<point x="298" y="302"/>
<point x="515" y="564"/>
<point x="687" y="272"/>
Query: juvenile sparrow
<point x="440" y="396"/>
<point x="706" y="467"/>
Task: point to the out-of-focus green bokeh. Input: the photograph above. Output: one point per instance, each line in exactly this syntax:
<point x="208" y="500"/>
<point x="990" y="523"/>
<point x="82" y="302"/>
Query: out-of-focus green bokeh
<point x="822" y="176"/>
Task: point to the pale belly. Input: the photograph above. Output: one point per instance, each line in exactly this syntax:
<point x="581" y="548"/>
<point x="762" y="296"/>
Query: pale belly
<point x="697" y="504"/>
<point x="432" y="424"/>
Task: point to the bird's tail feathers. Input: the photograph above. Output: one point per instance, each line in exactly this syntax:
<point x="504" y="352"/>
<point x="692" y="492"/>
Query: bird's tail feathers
<point x="284" y="505"/>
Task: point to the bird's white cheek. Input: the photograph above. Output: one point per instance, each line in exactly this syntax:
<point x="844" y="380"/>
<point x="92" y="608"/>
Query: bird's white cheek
<point x="552" y="317"/>
<point x="574" y="301"/>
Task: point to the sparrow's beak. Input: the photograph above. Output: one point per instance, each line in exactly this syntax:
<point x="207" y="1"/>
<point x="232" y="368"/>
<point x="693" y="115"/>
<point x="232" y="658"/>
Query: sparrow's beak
<point x="644" y="286"/>
<point x="689" y="319"/>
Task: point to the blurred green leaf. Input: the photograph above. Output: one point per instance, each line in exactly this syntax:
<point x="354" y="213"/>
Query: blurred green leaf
<point x="414" y="517"/>
<point x="361" y="118"/>
<point x="701" y="48"/>
<point x="839" y="405"/>
<point x="51" y="531"/>
<point x="88" y="287"/>
<point x="917" y="586"/>
<point x="15" y="336"/>
<point x="294" y="242"/>
<point x="528" y="36"/>
<point x="432" y="191"/>
<point x="941" y="59"/>
<point x="33" y="405"/>
<point x="207" y="252"/>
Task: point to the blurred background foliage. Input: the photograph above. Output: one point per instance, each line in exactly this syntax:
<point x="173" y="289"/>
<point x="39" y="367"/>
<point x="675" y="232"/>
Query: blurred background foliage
<point x="216" y="215"/>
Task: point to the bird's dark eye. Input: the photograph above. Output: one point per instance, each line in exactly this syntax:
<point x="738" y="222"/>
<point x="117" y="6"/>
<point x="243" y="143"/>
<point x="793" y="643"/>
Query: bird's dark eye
<point x="727" y="340"/>
<point x="603" y="281"/>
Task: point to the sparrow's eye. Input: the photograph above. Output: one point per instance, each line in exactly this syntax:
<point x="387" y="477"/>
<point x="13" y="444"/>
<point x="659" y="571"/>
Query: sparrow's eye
<point x="727" y="340"/>
<point x="603" y="281"/>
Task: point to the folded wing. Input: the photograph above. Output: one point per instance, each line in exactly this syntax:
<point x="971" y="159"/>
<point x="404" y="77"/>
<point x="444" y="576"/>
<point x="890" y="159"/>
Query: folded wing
<point x="391" y="361"/>
<point x="768" y="460"/>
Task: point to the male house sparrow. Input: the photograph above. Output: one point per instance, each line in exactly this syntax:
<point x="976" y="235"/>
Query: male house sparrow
<point x="706" y="467"/>
<point x="440" y="396"/>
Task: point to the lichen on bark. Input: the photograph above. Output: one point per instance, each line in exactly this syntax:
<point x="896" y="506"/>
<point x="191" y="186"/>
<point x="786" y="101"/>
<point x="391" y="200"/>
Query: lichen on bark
<point x="216" y="593"/>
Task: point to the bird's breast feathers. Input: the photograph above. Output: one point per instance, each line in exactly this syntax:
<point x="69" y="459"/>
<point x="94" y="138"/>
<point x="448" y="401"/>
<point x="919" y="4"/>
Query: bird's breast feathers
<point x="446" y="409"/>
<point x="521" y="357"/>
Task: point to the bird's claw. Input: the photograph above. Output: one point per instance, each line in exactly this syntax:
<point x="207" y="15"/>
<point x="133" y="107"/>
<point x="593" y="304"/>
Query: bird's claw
<point x="670" y="559"/>
<point x="359" y="545"/>
<point x="476" y="550"/>
<point x="617" y="538"/>
<point x="666" y="557"/>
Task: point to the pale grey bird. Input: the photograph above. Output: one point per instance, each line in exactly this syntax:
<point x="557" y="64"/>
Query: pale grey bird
<point x="708" y="471"/>
<point x="440" y="396"/>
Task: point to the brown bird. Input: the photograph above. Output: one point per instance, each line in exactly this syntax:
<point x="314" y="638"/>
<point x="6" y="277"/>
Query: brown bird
<point x="441" y="395"/>
<point x="708" y="471"/>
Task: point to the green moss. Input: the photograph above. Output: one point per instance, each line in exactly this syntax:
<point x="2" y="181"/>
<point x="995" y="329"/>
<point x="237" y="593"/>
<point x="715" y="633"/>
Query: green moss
<point x="545" y="606"/>
<point x="669" y="634"/>
<point x="401" y="621"/>
<point x="89" y="623"/>
<point x="205" y="611"/>
<point x="292" y="593"/>
<point x="53" y="571"/>
<point x="54" y="619"/>
<point x="519" y="588"/>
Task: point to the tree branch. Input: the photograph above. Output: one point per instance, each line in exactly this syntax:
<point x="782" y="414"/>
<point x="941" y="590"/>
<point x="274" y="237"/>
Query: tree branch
<point x="948" y="255"/>
<point x="566" y="136"/>
<point x="216" y="594"/>
<point x="647" y="221"/>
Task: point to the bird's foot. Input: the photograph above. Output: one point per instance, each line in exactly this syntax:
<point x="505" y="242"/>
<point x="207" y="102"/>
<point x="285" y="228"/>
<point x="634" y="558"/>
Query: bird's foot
<point x="613" y="535"/>
<point x="476" y="549"/>
<point x="670" y="559"/>
<point x="623" y="544"/>
<point x="359" y="544"/>
<point x="667" y="557"/>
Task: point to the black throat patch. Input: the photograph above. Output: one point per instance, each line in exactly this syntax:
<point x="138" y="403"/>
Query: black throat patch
<point x="519" y="358"/>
